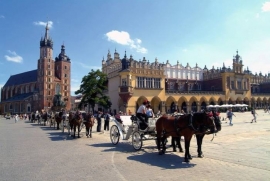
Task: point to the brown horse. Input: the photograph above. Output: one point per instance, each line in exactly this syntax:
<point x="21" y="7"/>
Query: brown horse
<point x="58" y="119"/>
<point x="186" y="126"/>
<point x="89" y="123"/>
<point x="75" y="121"/>
<point x="199" y="136"/>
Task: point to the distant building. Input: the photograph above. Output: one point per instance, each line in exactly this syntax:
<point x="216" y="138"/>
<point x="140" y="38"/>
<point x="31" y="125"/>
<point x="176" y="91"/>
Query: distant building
<point x="177" y="87"/>
<point x="34" y="90"/>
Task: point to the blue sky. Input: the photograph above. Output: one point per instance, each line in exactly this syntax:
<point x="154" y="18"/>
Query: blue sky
<point x="206" y="32"/>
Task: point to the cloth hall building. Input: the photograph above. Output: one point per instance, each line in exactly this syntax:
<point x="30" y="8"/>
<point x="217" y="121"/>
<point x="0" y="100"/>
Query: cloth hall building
<point x="178" y="87"/>
<point x="34" y="90"/>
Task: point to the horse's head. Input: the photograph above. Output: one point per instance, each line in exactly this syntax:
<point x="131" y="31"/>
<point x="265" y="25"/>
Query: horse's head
<point x="217" y="120"/>
<point x="205" y="122"/>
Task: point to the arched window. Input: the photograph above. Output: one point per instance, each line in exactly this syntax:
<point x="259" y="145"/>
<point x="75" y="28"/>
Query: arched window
<point x="32" y="88"/>
<point x="57" y="89"/>
<point x="22" y="90"/>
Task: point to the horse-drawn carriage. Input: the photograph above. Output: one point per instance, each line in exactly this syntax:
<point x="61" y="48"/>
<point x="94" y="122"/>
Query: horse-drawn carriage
<point x="129" y="126"/>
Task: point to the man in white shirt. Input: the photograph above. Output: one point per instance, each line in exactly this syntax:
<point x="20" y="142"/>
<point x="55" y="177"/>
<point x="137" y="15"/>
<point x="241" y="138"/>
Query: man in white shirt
<point x="141" y="114"/>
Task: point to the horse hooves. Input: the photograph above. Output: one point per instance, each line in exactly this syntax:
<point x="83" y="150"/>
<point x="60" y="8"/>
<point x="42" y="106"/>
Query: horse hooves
<point x="181" y="151"/>
<point x="186" y="160"/>
<point x="78" y="136"/>
<point x="174" y="150"/>
<point x="201" y="156"/>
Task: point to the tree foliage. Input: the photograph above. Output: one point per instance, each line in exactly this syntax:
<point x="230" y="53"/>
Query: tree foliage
<point x="92" y="89"/>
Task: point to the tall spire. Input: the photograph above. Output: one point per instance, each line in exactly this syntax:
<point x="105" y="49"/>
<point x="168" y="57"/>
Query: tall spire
<point x="47" y="41"/>
<point x="46" y="32"/>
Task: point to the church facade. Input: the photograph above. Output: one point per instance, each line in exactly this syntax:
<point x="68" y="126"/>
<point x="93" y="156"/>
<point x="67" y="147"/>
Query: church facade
<point x="177" y="87"/>
<point x="34" y="90"/>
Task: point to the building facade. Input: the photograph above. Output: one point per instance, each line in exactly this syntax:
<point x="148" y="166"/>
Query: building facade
<point x="177" y="87"/>
<point x="34" y="90"/>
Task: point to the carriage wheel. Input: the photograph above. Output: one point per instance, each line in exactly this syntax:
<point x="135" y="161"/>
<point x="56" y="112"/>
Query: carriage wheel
<point x="137" y="140"/>
<point x="114" y="134"/>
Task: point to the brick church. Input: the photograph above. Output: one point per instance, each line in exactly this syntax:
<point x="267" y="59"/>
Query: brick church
<point x="34" y="90"/>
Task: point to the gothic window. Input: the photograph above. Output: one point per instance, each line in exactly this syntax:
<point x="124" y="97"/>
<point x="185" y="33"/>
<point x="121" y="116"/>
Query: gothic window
<point x="239" y="85"/>
<point x="232" y="84"/>
<point x="124" y="82"/>
<point x="49" y="93"/>
<point x="148" y="82"/>
<point x="49" y="66"/>
<point x="171" y="85"/>
<point x="22" y="91"/>
<point x="65" y="67"/>
<point x="57" y="89"/>
<point x="65" y="75"/>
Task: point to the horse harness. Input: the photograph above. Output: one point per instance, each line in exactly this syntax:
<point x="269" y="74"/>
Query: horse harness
<point x="190" y="125"/>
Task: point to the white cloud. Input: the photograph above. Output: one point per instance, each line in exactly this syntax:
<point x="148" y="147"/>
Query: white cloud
<point x="2" y="17"/>
<point x="13" y="57"/>
<point x="123" y="38"/>
<point x="41" y="23"/>
<point x="266" y="7"/>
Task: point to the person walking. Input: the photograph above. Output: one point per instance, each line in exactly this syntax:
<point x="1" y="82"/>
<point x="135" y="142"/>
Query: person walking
<point x="16" y="118"/>
<point x="253" y="112"/>
<point x="229" y="115"/>
<point x="99" y="116"/>
<point x="107" y="121"/>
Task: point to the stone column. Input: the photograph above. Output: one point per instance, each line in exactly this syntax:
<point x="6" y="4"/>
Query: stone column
<point x="188" y="107"/>
<point x="198" y="106"/>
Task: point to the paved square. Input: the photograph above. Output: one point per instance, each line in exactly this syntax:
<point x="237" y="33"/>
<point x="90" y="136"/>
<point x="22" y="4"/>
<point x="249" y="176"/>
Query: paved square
<point x="32" y="152"/>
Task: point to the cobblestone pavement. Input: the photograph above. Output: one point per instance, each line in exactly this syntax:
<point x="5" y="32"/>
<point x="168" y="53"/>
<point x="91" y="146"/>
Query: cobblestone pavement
<point x="32" y="152"/>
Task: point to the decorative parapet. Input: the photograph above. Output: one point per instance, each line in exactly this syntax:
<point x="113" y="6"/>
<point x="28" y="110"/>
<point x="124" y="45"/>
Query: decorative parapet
<point x="195" y="92"/>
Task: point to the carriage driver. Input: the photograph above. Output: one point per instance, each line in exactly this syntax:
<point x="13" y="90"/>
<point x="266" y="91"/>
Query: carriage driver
<point x="141" y="114"/>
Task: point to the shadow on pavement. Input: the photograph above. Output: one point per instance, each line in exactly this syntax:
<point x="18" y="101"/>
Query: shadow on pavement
<point x="167" y="161"/>
<point x="59" y="136"/>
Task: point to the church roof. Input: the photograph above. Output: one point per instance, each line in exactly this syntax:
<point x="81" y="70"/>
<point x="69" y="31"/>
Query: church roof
<point x="19" y="97"/>
<point x="22" y="78"/>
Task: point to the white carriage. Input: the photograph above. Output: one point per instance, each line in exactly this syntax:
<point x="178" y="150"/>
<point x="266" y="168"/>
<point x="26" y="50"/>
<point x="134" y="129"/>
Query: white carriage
<point x="130" y="126"/>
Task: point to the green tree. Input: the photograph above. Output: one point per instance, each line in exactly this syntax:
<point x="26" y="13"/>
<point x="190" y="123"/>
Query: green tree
<point x="92" y="90"/>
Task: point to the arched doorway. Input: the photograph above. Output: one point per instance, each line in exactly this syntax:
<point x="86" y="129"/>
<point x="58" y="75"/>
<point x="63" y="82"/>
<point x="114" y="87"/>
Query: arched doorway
<point x="203" y="106"/>
<point x="172" y="108"/>
<point x="194" y="107"/>
<point x="184" y="106"/>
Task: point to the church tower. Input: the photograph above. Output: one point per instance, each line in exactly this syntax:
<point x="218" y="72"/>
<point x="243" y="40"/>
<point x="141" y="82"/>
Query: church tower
<point x="62" y="73"/>
<point x="237" y="64"/>
<point x="45" y="72"/>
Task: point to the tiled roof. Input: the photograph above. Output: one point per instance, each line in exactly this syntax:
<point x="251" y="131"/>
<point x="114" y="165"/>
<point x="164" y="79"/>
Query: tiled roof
<point x="22" y="78"/>
<point x="19" y="97"/>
